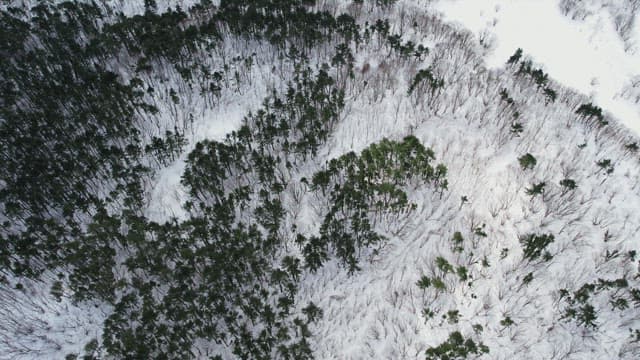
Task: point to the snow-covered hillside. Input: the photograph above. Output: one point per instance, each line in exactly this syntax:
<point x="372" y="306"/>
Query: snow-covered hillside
<point x="527" y="250"/>
<point x="378" y="312"/>
<point x="579" y="43"/>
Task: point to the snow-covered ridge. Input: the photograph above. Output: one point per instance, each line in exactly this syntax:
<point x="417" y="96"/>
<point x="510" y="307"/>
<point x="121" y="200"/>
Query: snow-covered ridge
<point x="584" y="51"/>
<point x="379" y="312"/>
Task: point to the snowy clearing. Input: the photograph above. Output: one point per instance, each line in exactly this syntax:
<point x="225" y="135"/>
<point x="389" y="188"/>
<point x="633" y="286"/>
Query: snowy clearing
<point x="587" y="55"/>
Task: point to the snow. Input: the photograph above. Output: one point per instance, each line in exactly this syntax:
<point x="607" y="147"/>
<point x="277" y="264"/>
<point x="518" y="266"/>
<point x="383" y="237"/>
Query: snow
<point x="376" y="313"/>
<point x="588" y="55"/>
<point x="35" y="326"/>
<point x="167" y="194"/>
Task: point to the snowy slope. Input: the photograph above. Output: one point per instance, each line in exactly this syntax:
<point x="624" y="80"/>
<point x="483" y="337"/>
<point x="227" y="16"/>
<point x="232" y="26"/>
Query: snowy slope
<point x="586" y="53"/>
<point x="379" y="312"/>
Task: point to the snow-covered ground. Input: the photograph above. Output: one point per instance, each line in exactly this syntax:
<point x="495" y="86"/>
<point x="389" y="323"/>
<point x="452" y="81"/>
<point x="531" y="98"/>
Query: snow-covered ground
<point x="587" y="55"/>
<point x="379" y="313"/>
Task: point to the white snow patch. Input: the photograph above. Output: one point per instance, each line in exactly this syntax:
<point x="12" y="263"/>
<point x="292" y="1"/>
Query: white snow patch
<point x="574" y="53"/>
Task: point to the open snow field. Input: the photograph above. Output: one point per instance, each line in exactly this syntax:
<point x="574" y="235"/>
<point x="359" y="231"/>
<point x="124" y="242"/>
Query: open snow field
<point x="587" y="55"/>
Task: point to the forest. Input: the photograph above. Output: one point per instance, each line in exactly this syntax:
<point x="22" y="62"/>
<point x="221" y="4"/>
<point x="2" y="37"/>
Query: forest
<point x="302" y="179"/>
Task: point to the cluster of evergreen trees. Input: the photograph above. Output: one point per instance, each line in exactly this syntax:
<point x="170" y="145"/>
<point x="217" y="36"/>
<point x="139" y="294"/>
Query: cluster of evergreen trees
<point x="580" y="308"/>
<point x="540" y="78"/>
<point x="456" y="347"/>
<point x="590" y="111"/>
<point x="365" y="187"/>
<point x="70" y="130"/>
<point x="212" y="277"/>
<point x="74" y="149"/>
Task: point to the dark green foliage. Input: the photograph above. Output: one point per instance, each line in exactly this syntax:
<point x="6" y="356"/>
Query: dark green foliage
<point x="315" y="253"/>
<point x="583" y="294"/>
<point x="73" y="123"/>
<point x="527" y="161"/>
<point x="80" y="143"/>
<point x="294" y="126"/>
<point x="366" y="187"/>
<point x="57" y="291"/>
<point x="91" y="349"/>
<point x="438" y="284"/>
<point x="423" y="283"/>
<point x="307" y="113"/>
<point x="166" y="149"/>
<point x="517" y="128"/>
<point x="586" y="316"/>
<point x="76" y="144"/>
<point x="463" y="273"/>
<point x="619" y="304"/>
<point x="590" y="111"/>
<point x="406" y="50"/>
<point x="282" y="23"/>
<point x="444" y="265"/>
<point x="427" y="314"/>
<point x="633" y="147"/>
<point x="343" y="57"/>
<point x="152" y="35"/>
<point x="217" y="289"/>
<point x="515" y="58"/>
<point x="539" y="77"/>
<point x="93" y="258"/>
<point x="453" y="316"/>
<point x="381" y="27"/>
<point x="583" y="312"/>
<point x="479" y="231"/>
<point x="635" y="296"/>
<point x="292" y="266"/>
<point x="385" y="3"/>
<point x="457" y="241"/>
<point x="456" y="348"/>
<point x="504" y="96"/>
<point x="506" y="322"/>
<point x="536" y="189"/>
<point x="313" y="312"/>
<point x="533" y="245"/>
<point x="608" y="284"/>
<point x="550" y="95"/>
<point x="150" y="6"/>
<point x="77" y="155"/>
<point x="425" y="77"/>
<point x="568" y="184"/>
<point x="606" y="165"/>
<point x="203" y="301"/>
<point x="75" y="131"/>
